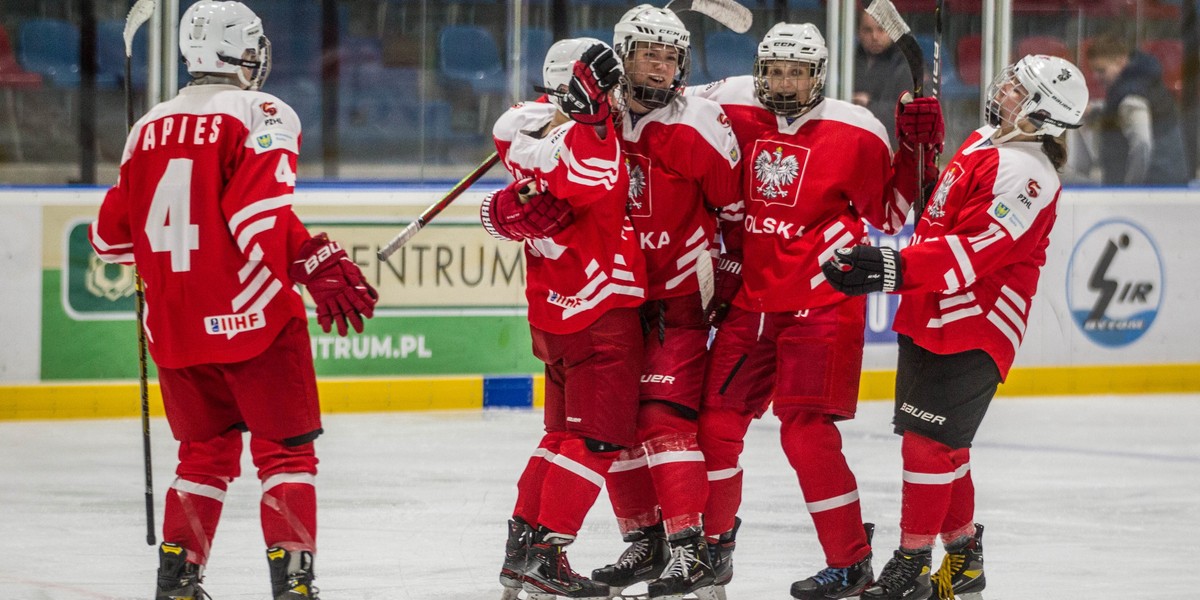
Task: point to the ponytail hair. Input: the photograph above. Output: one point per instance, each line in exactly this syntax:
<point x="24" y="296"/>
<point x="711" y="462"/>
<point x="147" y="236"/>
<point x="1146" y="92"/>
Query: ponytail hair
<point x="1055" y="148"/>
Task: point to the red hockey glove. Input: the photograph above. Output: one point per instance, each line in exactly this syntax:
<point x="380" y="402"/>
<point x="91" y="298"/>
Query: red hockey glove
<point x="864" y="269"/>
<point x="519" y="212"/>
<point x="335" y="283"/>
<point x="919" y="121"/>
<point x="594" y="74"/>
<point x="726" y="283"/>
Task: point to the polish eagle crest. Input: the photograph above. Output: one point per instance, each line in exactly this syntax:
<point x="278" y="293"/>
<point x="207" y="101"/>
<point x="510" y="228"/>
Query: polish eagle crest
<point x="775" y="171"/>
<point x="637" y="185"/>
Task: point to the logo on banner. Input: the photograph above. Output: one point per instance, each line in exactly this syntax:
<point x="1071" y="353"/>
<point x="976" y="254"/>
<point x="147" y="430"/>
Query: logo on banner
<point x="1114" y="283"/>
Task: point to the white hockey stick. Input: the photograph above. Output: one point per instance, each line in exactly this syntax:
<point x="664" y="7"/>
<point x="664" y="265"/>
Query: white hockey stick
<point x="139" y="13"/>
<point x="726" y="12"/>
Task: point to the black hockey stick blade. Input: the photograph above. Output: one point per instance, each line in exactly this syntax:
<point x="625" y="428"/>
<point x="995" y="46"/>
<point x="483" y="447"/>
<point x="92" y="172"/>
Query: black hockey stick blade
<point x="726" y="12"/>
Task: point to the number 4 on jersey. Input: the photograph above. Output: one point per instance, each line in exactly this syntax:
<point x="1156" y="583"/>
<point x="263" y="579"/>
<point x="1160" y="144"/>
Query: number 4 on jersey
<point x="168" y="224"/>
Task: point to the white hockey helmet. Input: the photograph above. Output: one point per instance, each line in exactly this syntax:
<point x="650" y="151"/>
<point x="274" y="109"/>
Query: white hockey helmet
<point x="798" y="42"/>
<point x="225" y="38"/>
<point x="1055" y="95"/>
<point x="652" y="25"/>
<point x="559" y="65"/>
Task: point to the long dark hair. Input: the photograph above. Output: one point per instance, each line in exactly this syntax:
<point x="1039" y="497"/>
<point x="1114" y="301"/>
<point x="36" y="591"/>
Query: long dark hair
<point x="1055" y="149"/>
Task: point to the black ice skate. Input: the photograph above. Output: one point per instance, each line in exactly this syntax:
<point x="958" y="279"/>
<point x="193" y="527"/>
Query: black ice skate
<point x="178" y="579"/>
<point x="831" y="583"/>
<point x="643" y="560"/>
<point x="904" y="577"/>
<point x="962" y="569"/>
<point x="721" y="554"/>
<point x="688" y="570"/>
<point x="549" y="574"/>
<point x="291" y="574"/>
<point x="515" y="550"/>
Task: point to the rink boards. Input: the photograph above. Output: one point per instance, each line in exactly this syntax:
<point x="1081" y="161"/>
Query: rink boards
<point x="1116" y="310"/>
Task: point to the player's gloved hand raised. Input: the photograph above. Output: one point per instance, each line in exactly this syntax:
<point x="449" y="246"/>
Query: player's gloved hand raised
<point x="864" y="269"/>
<point x="727" y="281"/>
<point x="593" y="75"/>
<point x="336" y="284"/>
<point x="520" y="212"/>
<point x="919" y="121"/>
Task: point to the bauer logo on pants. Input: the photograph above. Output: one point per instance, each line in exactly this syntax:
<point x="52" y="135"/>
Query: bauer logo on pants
<point x="1115" y="283"/>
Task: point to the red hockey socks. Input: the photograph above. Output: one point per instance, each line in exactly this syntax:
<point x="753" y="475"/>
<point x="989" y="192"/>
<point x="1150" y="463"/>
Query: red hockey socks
<point x="571" y="485"/>
<point x="631" y="490"/>
<point x="813" y="445"/>
<point x="676" y="465"/>
<point x="196" y="497"/>
<point x="722" y="437"/>
<point x="932" y="472"/>
<point x="289" y="498"/>
<point x="529" y="486"/>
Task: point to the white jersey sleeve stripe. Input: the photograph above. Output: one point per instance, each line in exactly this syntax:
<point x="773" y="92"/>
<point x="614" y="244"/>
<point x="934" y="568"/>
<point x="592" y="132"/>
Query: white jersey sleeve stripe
<point x="963" y="259"/>
<point x="1004" y="328"/>
<point x="1016" y="299"/>
<point x="103" y="245"/>
<point x="253" y="229"/>
<point x="257" y="208"/>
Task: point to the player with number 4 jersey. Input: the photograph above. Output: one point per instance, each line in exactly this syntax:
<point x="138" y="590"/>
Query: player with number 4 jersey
<point x="203" y="208"/>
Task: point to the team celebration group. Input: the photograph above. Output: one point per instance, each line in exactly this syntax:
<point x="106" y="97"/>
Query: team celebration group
<point x="694" y="257"/>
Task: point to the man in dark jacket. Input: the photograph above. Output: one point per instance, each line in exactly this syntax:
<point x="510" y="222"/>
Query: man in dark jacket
<point x="1140" y="140"/>
<point x="880" y="73"/>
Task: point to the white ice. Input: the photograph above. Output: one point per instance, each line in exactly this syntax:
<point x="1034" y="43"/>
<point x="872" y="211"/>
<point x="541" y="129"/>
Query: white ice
<point x="1094" y="498"/>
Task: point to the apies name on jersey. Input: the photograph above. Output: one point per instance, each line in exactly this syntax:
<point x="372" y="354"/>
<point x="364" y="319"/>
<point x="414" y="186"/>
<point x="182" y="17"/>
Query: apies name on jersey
<point x="367" y="347"/>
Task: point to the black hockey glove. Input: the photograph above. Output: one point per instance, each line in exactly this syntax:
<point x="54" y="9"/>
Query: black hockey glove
<point x="603" y="65"/>
<point x="595" y="73"/>
<point x="864" y="269"/>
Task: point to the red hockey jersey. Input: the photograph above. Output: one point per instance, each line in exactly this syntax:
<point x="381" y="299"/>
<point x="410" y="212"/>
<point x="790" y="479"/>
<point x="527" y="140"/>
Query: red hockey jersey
<point x="808" y="186"/>
<point x="594" y="264"/>
<point x="202" y="205"/>
<point x="973" y="266"/>
<point x="683" y="163"/>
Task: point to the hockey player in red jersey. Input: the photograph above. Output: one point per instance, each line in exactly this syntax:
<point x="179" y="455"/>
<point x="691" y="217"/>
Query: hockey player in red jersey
<point x="586" y="278"/>
<point x="683" y="165"/>
<point x="967" y="281"/>
<point x="202" y="207"/>
<point x="816" y="169"/>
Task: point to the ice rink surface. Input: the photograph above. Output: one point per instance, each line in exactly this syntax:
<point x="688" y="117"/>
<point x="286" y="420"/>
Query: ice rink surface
<point x="1091" y="498"/>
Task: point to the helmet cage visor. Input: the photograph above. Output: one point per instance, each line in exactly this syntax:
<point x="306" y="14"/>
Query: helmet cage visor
<point x="646" y="61"/>
<point x="257" y="61"/>
<point x="783" y="91"/>
<point x="999" y="112"/>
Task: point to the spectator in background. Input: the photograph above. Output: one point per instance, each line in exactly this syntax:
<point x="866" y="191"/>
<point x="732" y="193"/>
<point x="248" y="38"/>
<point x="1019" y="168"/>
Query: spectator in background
<point x="881" y="73"/>
<point x="1139" y="137"/>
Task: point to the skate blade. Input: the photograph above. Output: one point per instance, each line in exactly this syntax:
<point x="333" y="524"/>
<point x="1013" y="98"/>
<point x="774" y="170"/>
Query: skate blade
<point x="510" y="594"/>
<point x="971" y="596"/>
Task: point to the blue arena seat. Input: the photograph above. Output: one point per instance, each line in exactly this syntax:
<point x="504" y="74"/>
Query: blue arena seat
<point x="726" y="54"/>
<point x="468" y="55"/>
<point x="535" y="42"/>
<point x="50" y="47"/>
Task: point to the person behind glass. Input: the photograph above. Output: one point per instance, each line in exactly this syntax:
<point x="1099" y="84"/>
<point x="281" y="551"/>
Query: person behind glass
<point x="683" y="165"/>
<point x="967" y="282"/>
<point x="203" y="208"/>
<point x="881" y="73"/>
<point x="1139" y="136"/>
<point x="821" y="167"/>
<point x="586" y="278"/>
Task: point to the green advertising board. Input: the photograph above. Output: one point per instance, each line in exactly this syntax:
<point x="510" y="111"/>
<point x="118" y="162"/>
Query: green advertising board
<point x="451" y="302"/>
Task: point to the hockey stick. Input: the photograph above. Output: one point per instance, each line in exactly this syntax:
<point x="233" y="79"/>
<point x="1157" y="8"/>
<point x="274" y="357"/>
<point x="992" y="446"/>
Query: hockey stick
<point x="726" y="12"/>
<point x="139" y="13"/>
<point x="884" y="12"/>
<point x="433" y="211"/>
